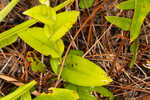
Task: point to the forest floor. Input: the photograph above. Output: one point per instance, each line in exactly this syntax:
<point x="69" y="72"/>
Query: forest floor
<point x="103" y="43"/>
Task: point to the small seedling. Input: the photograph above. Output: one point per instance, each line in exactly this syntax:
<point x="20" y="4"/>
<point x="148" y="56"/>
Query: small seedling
<point x="47" y="40"/>
<point x="141" y="9"/>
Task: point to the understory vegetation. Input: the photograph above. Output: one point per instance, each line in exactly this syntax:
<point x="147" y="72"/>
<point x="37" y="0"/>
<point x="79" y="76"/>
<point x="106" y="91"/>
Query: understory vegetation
<point x="74" y="50"/>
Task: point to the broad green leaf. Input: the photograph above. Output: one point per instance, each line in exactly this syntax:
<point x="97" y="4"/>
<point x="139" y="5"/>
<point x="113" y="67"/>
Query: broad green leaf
<point x="123" y="23"/>
<point x="76" y="52"/>
<point x="7" y="41"/>
<point x="48" y="30"/>
<point x="83" y="72"/>
<point x="36" y="64"/>
<point x="86" y="96"/>
<point x="64" y="22"/>
<point x="129" y="4"/>
<point x="10" y="36"/>
<point x="26" y="96"/>
<point x="86" y="3"/>
<point x="7" y="9"/>
<point x="43" y="13"/>
<point x="58" y="94"/>
<point x="45" y="2"/>
<point x="40" y="42"/>
<point x="71" y="86"/>
<point x="56" y="62"/>
<point x="85" y="93"/>
<point x="62" y="5"/>
<point x="20" y="91"/>
<point x="104" y="92"/>
<point x="142" y="8"/>
<point x="134" y="48"/>
<point x="55" y="65"/>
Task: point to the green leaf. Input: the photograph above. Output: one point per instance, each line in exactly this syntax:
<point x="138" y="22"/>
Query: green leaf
<point x="7" y="9"/>
<point x="62" y="5"/>
<point x="26" y="96"/>
<point x="40" y="42"/>
<point x="10" y="36"/>
<point x="104" y="92"/>
<point x="86" y="3"/>
<point x="7" y="41"/>
<point x="76" y="52"/>
<point x="123" y="23"/>
<point x="141" y="10"/>
<point x="55" y="64"/>
<point x="85" y="93"/>
<point x="86" y="96"/>
<point x="48" y="30"/>
<point x="20" y="91"/>
<point x="43" y="13"/>
<point x="36" y="64"/>
<point x="45" y="2"/>
<point x="134" y="48"/>
<point x="71" y="86"/>
<point x="83" y="72"/>
<point x="64" y="22"/>
<point x="58" y="94"/>
<point x="130" y="4"/>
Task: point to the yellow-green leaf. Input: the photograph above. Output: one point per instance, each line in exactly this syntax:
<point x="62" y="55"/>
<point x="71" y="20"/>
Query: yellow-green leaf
<point x="55" y="65"/>
<point x="58" y="94"/>
<point x="26" y="96"/>
<point x="64" y="22"/>
<point x="7" y="41"/>
<point x="123" y="23"/>
<point x="40" y="42"/>
<point x="83" y="72"/>
<point x="86" y="3"/>
<point x="85" y="93"/>
<point x="129" y="4"/>
<point x="104" y="92"/>
<point x="142" y="8"/>
<point x="7" y="9"/>
<point x="43" y="13"/>
<point x="19" y="91"/>
<point x="56" y="62"/>
<point x="10" y="36"/>
<point x="134" y="48"/>
<point x="48" y="30"/>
